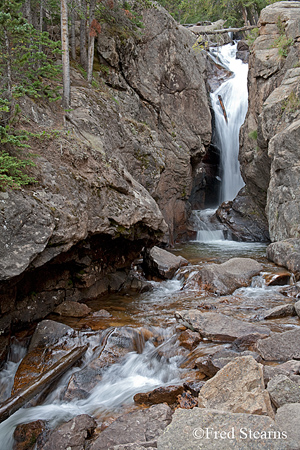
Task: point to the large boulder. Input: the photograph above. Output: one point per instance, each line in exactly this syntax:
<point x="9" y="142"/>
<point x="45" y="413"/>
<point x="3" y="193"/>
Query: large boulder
<point x="218" y="327"/>
<point x="212" y="429"/>
<point x="238" y="387"/>
<point x="225" y="278"/>
<point x="162" y="263"/>
<point x="48" y="332"/>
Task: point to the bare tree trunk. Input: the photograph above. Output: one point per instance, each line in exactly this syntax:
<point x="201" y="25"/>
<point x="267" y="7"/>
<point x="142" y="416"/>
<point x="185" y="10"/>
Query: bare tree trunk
<point x="83" y="53"/>
<point x="91" y="42"/>
<point x="73" y="35"/>
<point x="66" y="100"/>
<point x="27" y="11"/>
<point x="8" y="65"/>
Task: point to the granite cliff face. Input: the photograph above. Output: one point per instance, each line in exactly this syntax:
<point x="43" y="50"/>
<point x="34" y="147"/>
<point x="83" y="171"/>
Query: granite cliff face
<point x="116" y="178"/>
<point x="269" y="138"/>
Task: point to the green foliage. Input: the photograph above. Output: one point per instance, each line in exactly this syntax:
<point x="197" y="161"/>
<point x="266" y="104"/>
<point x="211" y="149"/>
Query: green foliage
<point x="234" y="12"/>
<point x="291" y="103"/>
<point x="252" y="36"/>
<point x="283" y="44"/>
<point x="12" y="173"/>
<point x="27" y="66"/>
<point x="253" y="135"/>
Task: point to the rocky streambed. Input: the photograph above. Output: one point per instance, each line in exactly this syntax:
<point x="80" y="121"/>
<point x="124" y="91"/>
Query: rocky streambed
<point x="205" y="356"/>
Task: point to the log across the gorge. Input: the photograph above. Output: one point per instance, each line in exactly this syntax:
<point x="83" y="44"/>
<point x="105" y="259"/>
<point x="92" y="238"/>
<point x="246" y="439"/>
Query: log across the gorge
<point x="17" y="400"/>
<point x="225" y="30"/>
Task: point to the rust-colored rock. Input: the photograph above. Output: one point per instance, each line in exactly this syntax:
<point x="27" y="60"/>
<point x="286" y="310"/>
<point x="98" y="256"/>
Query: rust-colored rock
<point x="187" y="401"/>
<point x="166" y="394"/>
<point x="189" y="339"/>
<point x="27" y="434"/>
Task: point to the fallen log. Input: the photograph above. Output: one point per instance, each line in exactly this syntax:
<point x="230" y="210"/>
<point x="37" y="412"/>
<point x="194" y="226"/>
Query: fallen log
<point x="17" y="400"/>
<point x="223" y="108"/>
<point x="226" y="30"/>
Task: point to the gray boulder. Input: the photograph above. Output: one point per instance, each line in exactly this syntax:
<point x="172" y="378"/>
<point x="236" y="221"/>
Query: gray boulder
<point x="47" y="332"/>
<point x="139" y="426"/>
<point x="218" y="327"/>
<point x="211" y="429"/>
<point x="297" y="308"/>
<point x="282" y="390"/>
<point x="285" y="253"/>
<point x="162" y="263"/>
<point x="280" y="346"/>
<point x="225" y="278"/>
<point x="279" y="311"/>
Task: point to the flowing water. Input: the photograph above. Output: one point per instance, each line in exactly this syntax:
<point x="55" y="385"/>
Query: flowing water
<point x="234" y="96"/>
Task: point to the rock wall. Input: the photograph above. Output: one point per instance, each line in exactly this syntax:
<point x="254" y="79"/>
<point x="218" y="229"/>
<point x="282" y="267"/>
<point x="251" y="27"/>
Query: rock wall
<point x="269" y="138"/>
<point x="114" y="179"/>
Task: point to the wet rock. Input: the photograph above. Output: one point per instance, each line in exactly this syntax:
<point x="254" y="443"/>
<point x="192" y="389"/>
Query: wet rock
<point x="244" y="219"/>
<point x="161" y="263"/>
<point x="211" y="364"/>
<point x="291" y="291"/>
<point x="117" y="343"/>
<point x="71" y="435"/>
<point x="4" y="346"/>
<point x="188" y="429"/>
<point x="238" y="387"/>
<point x="135" y="427"/>
<point x="279" y="311"/>
<point x="223" y="279"/>
<point x="27" y="435"/>
<point x="282" y="390"/>
<point x="189" y="339"/>
<point x="165" y="394"/>
<point x="280" y="278"/>
<point x="187" y="401"/>
<point x="280" y="346"/>
<point x="218" y="327"/>
<point x="72" y="309"/>
<point x="102" y="313"/>
<point x="287" y="418"/>
<point x="47" y="332"/>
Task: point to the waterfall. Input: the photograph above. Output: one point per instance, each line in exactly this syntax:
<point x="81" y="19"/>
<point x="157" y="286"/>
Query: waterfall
<point x="229" y="103"/>
<point x="234" y="95"/>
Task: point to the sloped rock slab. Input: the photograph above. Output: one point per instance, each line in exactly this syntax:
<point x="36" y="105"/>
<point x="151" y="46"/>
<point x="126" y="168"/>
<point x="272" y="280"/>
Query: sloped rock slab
<point x="162" y="263"/>
<point x="239" y="388"/>
<point x="138" y="426"/>
<point x="280" y="346"/>
<point x="218" y="327"/>
<point x="279" y="311"/>
<point x="211" y="364"/>
<point x="210" y="429"/>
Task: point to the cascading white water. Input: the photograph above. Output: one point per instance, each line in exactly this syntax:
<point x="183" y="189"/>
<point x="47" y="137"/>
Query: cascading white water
<point x="234" y="96"/>
<point x="137" y="372"/>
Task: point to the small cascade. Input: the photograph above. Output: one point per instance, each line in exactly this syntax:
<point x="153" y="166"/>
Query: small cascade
<point x="206" y="230"/>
